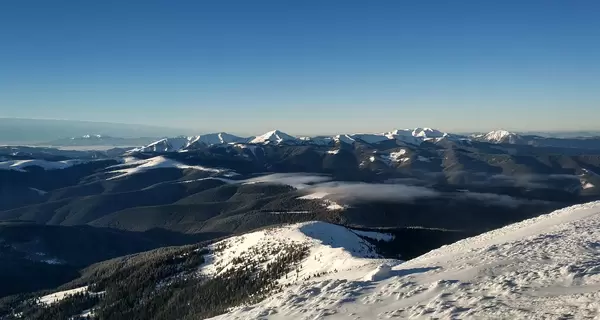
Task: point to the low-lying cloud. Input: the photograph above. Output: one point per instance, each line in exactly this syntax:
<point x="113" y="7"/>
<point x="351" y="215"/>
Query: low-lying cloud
<point x="351" y="193"/>
<point x="296" y="180"/>
<point x="357" y="192"/>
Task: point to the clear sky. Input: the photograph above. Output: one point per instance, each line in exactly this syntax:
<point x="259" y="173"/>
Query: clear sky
<point x="306" y="67"/>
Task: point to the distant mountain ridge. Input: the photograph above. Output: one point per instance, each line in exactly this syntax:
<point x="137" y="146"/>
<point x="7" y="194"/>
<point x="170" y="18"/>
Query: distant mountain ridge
<point x="98" y="140"/>
<point x="414" y="136"/>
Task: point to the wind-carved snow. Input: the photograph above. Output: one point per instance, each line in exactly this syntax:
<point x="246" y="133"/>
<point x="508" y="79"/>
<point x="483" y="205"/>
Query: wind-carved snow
<point x="332" y="250"/>
<point x="137" y="166"/>
<point x="20" y="165"/>
<point x="542" y="268"/>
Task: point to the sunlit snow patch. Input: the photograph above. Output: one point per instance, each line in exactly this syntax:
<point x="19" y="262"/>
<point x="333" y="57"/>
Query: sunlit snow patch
<point x="58" y="296"/>
<point x="155" y="163"/>
<point x="329" y="204"/>
<point x="20" y="165"/>
<point x="298" y="181"/>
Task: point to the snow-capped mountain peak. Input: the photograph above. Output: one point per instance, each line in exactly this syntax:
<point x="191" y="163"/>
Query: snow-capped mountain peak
<point x="218" y="138"/>
<point x="274" y="136"/>
<point x="175" y="144"/>
<point x="501" y="136"/>
<point x="167" y="144"/>
<point x="426" y="133"/>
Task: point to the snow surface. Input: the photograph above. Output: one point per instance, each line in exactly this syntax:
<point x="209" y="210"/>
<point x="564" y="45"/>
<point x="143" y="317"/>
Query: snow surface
<point x="332" y="249"/>
<point x="542" y="268"/>
<point x="399" y="156"/>
<point x="327" y="203"/>
<point x="138" y="166"/>
<point x="58" y="296"/>
<point x="249" y="147"/>
<point x="274" y="136"/>
<point x="500" y="136"/>
<point x="374" y="235"/>
<point x="167" y="145"/>
<point x="428" y="133"/>
<point x="316" y="195"/>
<point x="389" y="158"/>
<point x="219" y="138"/>
<point x="320" y="140"/>
<point x="20" y="165"/>
<point x="180" y="143"/>
<point x="413" y="136"/>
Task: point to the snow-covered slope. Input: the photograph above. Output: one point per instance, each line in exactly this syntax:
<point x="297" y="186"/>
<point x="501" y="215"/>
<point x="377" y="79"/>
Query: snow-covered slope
<point x="218" y="138"/>
<point x="501" y="136"/>
<point x="133" y="166"/>
<point x="412" y="136"/>
<point x="275" y="137"/>
<point x="20" y="165"/>
<point x="167" y="144"/>
<point x="428" y="133"/>
<point x="543" y="268"/>
<point x="360" y="137"/>
<point x="179" y="143"/>
<point x="332" y="250"/>
<point x="319" y="140"/>
<point x="60" y="295"/>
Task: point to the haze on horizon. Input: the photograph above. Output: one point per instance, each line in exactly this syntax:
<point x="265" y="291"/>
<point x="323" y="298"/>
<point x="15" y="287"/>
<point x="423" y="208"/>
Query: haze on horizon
<point x="310" y="67"/>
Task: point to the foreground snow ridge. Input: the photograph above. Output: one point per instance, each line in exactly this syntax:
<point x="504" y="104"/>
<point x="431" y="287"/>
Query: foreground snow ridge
<point x="332" y="250"/>
<point x="543" y="268"/>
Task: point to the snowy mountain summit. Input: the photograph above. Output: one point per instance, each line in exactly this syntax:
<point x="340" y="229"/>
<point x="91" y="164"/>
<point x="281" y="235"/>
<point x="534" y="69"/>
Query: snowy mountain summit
<point x="501" y="136"/>
<point x="428" y="133"/>
<point x="274" y="136"/>
<point x="542" y="268"/>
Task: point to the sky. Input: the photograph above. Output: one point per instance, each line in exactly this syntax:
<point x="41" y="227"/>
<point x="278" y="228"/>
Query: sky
<point x="305" y="67"/>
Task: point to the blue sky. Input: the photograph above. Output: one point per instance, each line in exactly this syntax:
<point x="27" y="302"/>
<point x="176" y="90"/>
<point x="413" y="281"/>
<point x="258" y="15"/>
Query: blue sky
<point x="306" y="67"/>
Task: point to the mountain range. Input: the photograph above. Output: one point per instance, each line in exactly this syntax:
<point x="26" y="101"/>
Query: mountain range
<point x="410" y="136"/>
<point x="176" y="197"/>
